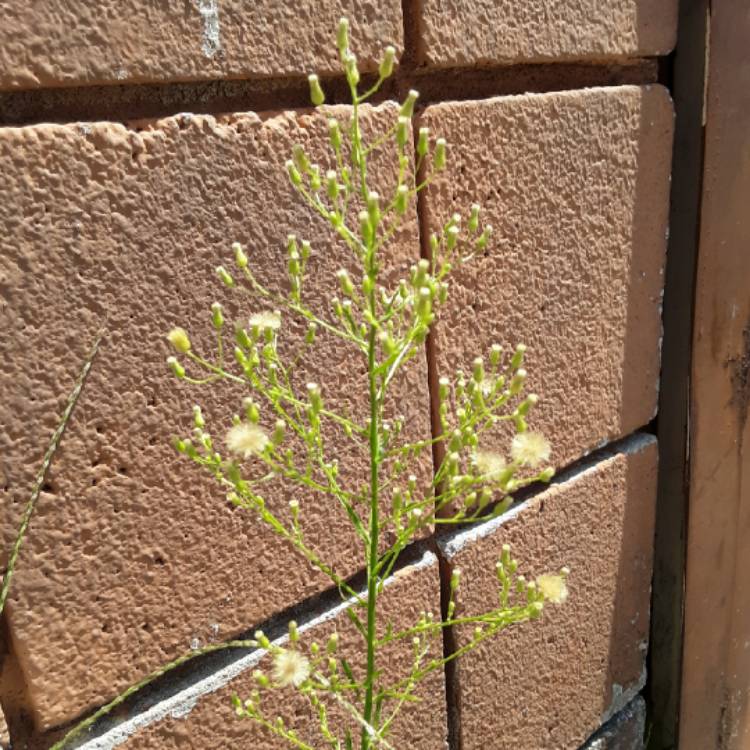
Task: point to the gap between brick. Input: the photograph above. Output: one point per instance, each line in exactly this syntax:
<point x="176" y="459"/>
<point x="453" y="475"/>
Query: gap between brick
<point x="126" y="102"/>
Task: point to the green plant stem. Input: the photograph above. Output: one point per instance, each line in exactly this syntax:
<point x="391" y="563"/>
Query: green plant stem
<point x="44" y="468"/>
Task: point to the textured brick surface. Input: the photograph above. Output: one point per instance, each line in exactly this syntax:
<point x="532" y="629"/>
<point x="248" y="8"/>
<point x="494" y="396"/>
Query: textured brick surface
<point x="58" y="42"/>
<point x="576" y="186"/>
<point x="201" y="716"/>
<point x="464" y="32"/>
<point x="133" y="553"/>
<point x="624" y="731"/>
<point x="550" y="684"/>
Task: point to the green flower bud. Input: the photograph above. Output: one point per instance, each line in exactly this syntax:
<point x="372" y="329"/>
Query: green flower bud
<point x="239" y="255"/>
<point x="439" y="157"/>
<point x="455" y="578"/>
<point x="444" y="388"/>
<point x="299" y="157"/>
<point x="177" y="369"/>
<point x="386" y="64"/>
<point x="402" y="199"/>
<point x="313" y="393"/>
<point x="352" y="71"/>
<point x="225" y="276"/>
<point x="496" y="352"/>
<point x="317" y="97"/>
<point x="423" y="141"/>
<point x="402" y="132"/>
<point x="484" y="238"/>
<point x="334" y="133"/>
<point x="347" y="287"/>
<point x="342" y="36"/>
<point x="305" y="249"/>
<point x="333" y="643"/>
<point x="547" y="474"/>
<point x="217" y="317"/>
<point x="198" y="420"/>
<point x="407" y="108"/>
<point x="517" y="381"/>
<point x="332" y="184"/>
<point x="261" y="678"/>
<point x="424" y="304"/>
<point x="373" y="207"/>
<point x="517" y="359"/>
<point x="293" y="632"/>
<point x="474" y="218"/>
<point x="312" y="329"/>
<point x="315" y="182"/>
<point x="477" y="370"/>
<point x="294" y="174"/>
<point x="251" y="410"/>
<point x="451" y="236"/>
<point x="179" y="339"/>
<point x="365" y="227"/>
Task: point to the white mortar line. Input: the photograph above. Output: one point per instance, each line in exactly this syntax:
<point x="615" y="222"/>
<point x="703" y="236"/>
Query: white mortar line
<point x="182" y="703"/>
<point x="451" y="546"/>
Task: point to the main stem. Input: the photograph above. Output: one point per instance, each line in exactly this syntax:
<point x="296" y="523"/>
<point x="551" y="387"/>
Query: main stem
<point x="374" y="440"/>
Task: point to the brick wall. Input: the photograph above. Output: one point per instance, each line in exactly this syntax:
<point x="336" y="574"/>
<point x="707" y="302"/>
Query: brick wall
<point x="117" y="206"/>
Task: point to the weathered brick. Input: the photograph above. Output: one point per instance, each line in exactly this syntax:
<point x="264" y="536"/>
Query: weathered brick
<point x="625" y="731"/>
<point x="201" y="716"/>
<point x="552" y="682"/>
<point x="576" y="186"/>
<point x="64" y="43"/>
<point x="133" y="552"/>
<point x="466" y="32"/>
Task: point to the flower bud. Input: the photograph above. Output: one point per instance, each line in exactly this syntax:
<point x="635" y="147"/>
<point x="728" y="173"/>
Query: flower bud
<point x="444" y="388"/>
<point x="293" y="632"/>
<point x="365" y="227"/>
<point x="225" y="276"/>
<point x="217" y="316"/>
<point x="373" y="207"/>
<point x="402" y="199"/>
<point x="312" y="329"/>
<point x="474" y="218"/>
<point x="315" y="178"/>
<point x="198" y="420"/>
<point x="317" y="97"/>
<point x="239" y="255"/>
<point x="179" y="339"/>
<point x="402" y="132"/>
<point x="386" y="64"/>
<point x="342" y="36"/>
<point x="517" y="359"/>
<point x="477" y="370"/>
<point x="455" y="578"/>
<point x="352" y="71"/>
<point x="299" y="157"/>
<point x="251" y="410"/>
<point x="313" y="393"/>
<point x="334" y="133"/>
<point x="451" y="237"/>
<point x="423" y="141"/>
<point x="177" y="369"/>
<point x="333" y="643"/>
<point x="332" y="184"/>
<point x="484" y="238"/>
<point x="439" y="157"/>
<point x="517" y="381"/>
<point x="547" y="474"/>
<point x="407" y="108"/>
<point x="347" y="287"/>
<point x="294" y="174"/>
<point x="496" y="352"/>
<point x="424" y="304"/>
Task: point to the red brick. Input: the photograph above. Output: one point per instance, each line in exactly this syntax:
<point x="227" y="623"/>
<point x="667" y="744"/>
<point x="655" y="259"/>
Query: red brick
<point x="73" y="43"/>
<point x="548" y="684"/>
<point x="576" y="186"/>
<point x="466" y="32"/>
<point x="133" y="552"/>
